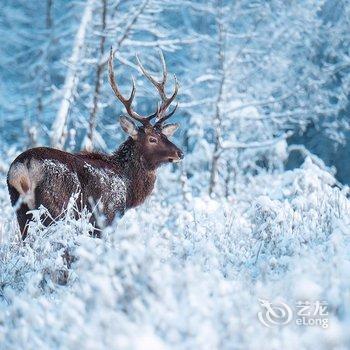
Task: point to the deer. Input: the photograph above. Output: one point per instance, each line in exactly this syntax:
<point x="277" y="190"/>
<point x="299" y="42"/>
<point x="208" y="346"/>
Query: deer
<point x="114" y="182"/>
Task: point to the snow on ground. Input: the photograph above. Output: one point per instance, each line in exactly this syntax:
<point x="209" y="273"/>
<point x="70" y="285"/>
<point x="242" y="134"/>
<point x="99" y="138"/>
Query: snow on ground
<point x="184" y="276"/>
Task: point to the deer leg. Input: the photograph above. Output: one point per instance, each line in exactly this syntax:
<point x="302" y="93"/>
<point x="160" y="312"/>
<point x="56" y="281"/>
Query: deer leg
<point x="21" y="212"/>
<point x="23" y="219"/>
<point x="97" y="232"/>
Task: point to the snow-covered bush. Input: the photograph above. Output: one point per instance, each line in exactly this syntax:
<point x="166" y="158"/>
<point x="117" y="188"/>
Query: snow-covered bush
<point x="223" y="234"/>
<point x="176" y="277"/>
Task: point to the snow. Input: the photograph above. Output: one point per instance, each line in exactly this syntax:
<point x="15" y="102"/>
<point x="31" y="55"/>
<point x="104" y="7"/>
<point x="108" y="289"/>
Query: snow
<point x="262" y="86"/>
<point x="197" y="285"/>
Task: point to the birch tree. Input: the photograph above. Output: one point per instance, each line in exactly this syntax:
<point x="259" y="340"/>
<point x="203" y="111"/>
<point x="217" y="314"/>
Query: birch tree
<point x="59" y="126"/>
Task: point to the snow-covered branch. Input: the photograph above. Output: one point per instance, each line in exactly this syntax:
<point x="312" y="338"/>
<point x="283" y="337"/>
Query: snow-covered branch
<point x="59" y="126"/>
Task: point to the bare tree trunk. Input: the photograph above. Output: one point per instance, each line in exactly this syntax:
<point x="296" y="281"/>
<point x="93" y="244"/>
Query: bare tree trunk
<point x="89" y="143"/>
<point x="218" y="117"/>
<point x="92" y="119"/>
<point x="185" y="189"/>
<point x="127" y="30"/>
<point x="227" y="179"/>
<point x="49" y="4"/>
<point x="59" y="126"/>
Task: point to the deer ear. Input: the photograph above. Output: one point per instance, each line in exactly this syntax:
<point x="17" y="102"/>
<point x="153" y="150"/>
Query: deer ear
<point x="128" y="126"/>
<point x="169" y="129"/>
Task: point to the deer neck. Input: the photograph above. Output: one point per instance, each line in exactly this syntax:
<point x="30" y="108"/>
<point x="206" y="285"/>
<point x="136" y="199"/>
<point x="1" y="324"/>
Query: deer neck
<point x="139" y="177"/>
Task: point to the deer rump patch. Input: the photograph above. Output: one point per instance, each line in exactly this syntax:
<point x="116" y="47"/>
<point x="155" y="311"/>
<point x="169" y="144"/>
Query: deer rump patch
<point x="24" y="177"/>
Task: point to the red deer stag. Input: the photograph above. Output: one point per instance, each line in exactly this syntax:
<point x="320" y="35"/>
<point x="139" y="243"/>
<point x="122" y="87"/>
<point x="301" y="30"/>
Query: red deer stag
<point x="123" y="180"/>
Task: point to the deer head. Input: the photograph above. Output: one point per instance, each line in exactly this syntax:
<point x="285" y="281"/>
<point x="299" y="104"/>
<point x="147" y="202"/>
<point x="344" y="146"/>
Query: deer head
<point x="151" y="140"/>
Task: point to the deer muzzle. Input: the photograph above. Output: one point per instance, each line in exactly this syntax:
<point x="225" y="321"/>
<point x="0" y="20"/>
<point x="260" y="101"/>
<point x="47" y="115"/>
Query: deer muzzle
<point x="179" y="156"/>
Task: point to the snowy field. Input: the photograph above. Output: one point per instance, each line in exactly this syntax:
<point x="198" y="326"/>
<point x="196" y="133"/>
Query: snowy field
<point x="245" y="244"/>
<point x="176" y="277"/>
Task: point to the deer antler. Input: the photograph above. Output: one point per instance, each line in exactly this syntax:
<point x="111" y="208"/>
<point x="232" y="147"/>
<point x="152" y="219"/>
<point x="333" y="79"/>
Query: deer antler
<point x="160" y="86"/>
<point x="126" y="102"/>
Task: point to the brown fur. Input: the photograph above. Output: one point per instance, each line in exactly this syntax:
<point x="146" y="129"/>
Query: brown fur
<point x="113" y="183"/>
<point x="24" y="185"/>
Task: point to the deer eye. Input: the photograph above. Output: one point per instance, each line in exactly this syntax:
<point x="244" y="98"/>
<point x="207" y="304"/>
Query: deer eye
<point x="153" y="140"/>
